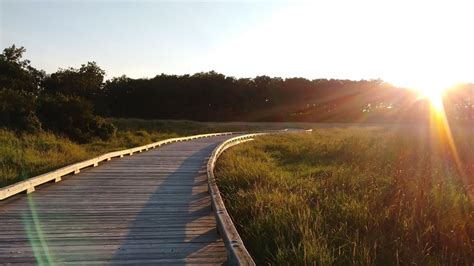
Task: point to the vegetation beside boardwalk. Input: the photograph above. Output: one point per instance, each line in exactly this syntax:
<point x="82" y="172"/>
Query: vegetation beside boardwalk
<point x="26" y="154"/>
<point x="71" y="100"/>
<point x="29" y="154"/>
<point x="363" y="196"/>
<point x="353" y="196"/>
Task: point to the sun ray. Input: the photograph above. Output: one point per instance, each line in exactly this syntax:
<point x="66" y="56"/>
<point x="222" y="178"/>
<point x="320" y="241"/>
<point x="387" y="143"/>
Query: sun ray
<point x="442" y="136"/>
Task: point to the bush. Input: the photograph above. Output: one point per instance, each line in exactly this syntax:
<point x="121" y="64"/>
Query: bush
<point x="18" y="111"/>
<point x="29" y="154"/>
<point x="103" y="129"/>
<point x="73" y="117"/>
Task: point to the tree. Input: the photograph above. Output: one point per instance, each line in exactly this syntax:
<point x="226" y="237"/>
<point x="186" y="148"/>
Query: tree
<point x="18" y="111"/>
<point x="73" y="117"/>
<point x="87" y="81"/>
<point x="18" y="74"/>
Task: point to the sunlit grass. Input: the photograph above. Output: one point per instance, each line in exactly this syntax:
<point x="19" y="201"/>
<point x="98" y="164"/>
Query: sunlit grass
<point x="350" y="196"/>
<point x="25" y="155"/>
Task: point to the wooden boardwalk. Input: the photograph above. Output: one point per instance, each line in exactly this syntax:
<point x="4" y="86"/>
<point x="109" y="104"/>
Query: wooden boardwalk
<point x="150" y="208"/>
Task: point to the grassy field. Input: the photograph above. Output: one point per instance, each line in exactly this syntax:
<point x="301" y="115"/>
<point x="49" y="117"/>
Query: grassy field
<point x="26" y="155"/>
<point x="192" y="127"/>
<point x="363" y="196"/>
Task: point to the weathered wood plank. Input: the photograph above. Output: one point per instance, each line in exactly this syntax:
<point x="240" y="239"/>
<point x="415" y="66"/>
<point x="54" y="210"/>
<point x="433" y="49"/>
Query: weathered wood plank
<point x="30" y="184"/>
<point x="150" y="208"/>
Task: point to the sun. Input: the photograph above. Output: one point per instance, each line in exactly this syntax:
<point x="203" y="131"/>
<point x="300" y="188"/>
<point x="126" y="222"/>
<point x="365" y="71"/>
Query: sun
<point x="431" y="88"/>
<point x="429" y="84"/>
<point x="434" y="94"/>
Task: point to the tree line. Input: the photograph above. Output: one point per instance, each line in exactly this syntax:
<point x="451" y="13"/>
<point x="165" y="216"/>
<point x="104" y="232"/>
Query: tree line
<point x="72" y="101"/>
<point x="62" y="102"/>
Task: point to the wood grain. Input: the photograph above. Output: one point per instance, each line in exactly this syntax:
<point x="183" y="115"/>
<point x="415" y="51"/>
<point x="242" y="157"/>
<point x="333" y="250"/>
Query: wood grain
<point x="29" y="185"/>
<point x="149" y="208"/>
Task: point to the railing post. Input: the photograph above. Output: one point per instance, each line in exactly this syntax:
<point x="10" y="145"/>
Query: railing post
<point x="56" y="175"/>
<point x="30" y="190"/>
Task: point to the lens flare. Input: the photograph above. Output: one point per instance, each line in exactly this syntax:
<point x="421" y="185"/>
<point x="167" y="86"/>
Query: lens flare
<point x="435" y="97"/>
<point x="443" y="137"/>
<point x="36" y="236"/>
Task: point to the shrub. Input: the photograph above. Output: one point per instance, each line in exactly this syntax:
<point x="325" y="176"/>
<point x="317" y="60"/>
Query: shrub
<point x="103" y="129"/>
<point x="73" y="117"/>
<point x="18" y="111"/>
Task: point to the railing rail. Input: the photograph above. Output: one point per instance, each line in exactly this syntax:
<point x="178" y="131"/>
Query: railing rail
<point x="236" y="251"/>
<point x="55" y="175"/>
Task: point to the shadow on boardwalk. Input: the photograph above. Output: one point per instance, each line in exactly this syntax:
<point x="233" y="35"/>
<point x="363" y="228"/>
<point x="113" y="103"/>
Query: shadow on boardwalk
<point x="176" y="225"/>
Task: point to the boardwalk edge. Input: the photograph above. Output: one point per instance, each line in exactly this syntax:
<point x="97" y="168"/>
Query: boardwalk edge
<point x="236" y="251"/>
<point x="29" y="184"/>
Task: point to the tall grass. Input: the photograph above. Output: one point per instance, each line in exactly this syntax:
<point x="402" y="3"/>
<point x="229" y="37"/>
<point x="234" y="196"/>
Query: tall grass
<point x="25" y="155"/>
<point x="186" y="127"/>
<point x="365" y="196"/>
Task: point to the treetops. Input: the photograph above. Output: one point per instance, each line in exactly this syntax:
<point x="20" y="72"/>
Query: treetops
<point x="211" y="96"/>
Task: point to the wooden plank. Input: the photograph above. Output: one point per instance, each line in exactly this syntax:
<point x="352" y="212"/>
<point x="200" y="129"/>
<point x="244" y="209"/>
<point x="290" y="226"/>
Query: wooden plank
<point x="150" y="208"/>
<point x="130" y="261"/>
<point x="30" y="184"/>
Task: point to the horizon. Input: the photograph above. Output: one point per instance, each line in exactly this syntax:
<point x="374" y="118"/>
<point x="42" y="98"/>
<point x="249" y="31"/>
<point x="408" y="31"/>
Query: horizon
<point x="240" y="132"/>
<point x="402" y="43"/>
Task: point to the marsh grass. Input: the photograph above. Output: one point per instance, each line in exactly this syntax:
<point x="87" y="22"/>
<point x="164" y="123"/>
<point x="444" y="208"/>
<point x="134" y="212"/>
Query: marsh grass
<point x="363" y="196"/>
<point x="26" y="155"/>
<point x="186" y="127"/>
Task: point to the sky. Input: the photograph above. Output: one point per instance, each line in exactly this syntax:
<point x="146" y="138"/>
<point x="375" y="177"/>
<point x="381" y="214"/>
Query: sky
<point x="407" y="43"/>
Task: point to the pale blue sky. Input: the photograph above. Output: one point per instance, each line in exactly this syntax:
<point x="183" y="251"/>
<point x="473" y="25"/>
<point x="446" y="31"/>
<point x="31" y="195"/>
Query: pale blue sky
<point x="134" y="38"/>
<point x="409" y="43"/>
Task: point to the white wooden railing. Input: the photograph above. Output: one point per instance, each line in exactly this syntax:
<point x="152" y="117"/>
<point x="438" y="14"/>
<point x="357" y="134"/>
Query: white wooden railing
<point x="30" y="184"/>
<point x="237" y="253"/>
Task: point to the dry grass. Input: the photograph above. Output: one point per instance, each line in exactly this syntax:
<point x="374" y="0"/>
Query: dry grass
<point x="26" y="155"/>
<point x="363" y="196"/>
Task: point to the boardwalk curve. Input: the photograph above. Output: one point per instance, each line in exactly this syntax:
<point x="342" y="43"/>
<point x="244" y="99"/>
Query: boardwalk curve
<point x="150" y="208"/>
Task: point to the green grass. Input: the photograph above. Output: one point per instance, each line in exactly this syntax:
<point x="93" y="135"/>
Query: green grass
<point x="185" y="127"/>
<point x="26" y="155"/>
<point x="363" y="196"/>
